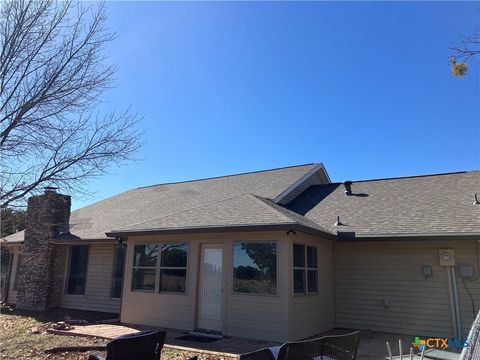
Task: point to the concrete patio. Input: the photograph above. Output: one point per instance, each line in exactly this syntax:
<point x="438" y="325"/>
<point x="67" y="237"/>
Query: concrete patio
<point x="372" y="344"/>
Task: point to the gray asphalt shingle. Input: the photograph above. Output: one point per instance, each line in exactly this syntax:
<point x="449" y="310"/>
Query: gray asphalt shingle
<point x="154" y="202"/>
<point x="424" y="204"/>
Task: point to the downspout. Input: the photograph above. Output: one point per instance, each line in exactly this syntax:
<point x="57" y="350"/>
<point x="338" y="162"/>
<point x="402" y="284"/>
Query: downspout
<point x="454" y="302"/>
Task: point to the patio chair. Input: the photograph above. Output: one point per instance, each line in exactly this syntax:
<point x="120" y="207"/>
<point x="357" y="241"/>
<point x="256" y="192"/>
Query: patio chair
<point x="143" y="345"/>
<point x="262" y="354"/>
<point x="332" y="347"/>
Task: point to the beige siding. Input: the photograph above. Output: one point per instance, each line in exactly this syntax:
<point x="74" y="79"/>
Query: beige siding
<point x="98" y="284"/>
<point x="369" y="273"/>
<point x="251" y="316"/>
<point x="313" y="314"/>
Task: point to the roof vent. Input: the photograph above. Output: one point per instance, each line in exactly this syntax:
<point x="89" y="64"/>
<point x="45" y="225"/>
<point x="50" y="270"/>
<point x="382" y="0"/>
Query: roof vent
<point x="348" y="188"/>
<point x="476" y="202"/>
<point x="338" y="222"/>
<point x="50" y="190"/>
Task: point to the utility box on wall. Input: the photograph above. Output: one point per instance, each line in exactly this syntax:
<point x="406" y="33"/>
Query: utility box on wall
<point x="447" y="257"/>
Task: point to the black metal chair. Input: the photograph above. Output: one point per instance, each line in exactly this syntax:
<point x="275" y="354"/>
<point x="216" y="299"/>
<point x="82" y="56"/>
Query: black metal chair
<point x="333" y="347"/>
<point x="143" y="345"/>
<point x="262" y="354"/>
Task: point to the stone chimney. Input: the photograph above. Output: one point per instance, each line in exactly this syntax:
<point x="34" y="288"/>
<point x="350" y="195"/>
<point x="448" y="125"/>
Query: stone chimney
<point x="42" y="266"/>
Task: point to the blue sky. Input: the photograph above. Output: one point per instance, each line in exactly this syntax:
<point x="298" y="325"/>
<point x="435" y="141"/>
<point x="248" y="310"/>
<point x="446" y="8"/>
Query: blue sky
<point x="231" y="87"/>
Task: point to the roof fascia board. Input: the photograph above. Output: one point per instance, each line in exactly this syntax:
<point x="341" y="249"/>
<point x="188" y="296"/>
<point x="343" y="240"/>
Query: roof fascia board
<point x="224" y="229"/>
<point x="83" y="241"/>
<point x="408" y="236"/>
<point x="318" y="167"/>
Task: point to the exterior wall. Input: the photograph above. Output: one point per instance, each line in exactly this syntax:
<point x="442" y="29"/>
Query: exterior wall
<point x="369" y="273"/>
<point x="98" y="283"/>
<point x="312" y="314"/>
<point x="249" y="316"/>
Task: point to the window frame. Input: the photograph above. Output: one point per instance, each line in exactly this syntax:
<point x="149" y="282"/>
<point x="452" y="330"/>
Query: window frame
<point x="158" y="268"/>
<point x="17" y="271"/>
<point x="67" y="271"/>
<point x="136" y="267"/>
<point x="236" y="293"/>
<point x="305" y="270"/>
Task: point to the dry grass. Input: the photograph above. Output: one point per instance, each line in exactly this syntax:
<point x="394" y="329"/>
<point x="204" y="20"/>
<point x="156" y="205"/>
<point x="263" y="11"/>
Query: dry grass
<point x="18" y="342"/>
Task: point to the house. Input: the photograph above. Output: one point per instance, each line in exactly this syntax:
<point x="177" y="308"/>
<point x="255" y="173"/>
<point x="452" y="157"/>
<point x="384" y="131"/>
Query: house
<point x="279" y="254"/>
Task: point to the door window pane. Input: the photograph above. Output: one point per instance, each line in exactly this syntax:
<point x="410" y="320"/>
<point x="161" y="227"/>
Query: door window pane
<point x="255" y="267"/>
<point x="118" y="265"/>
<point x="77" y="271"/>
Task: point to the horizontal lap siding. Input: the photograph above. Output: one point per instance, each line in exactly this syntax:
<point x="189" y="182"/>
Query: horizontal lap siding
<point x="313" y="314"/>
<point x="98" y="284"/>
<point x="368" y="273"/>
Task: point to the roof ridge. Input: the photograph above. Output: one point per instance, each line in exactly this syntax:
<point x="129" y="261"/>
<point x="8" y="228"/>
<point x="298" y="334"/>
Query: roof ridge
<point x="224" y="176"/>
<point x="185" y="210"/>
<point x="409" y="177"/>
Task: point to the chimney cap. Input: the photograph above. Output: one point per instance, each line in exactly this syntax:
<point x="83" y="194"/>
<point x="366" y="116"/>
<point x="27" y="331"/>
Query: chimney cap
<point x="50" y="189"/>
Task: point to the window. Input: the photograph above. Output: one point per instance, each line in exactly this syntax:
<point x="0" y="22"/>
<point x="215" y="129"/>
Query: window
<point x="117" y="274"/>
<point x="77" y="270"/>
<point x="305" y="269"/>
<point x="144" y="267"/>
<point x="255" y="267"/>
<point x="17" y="272"/>
<point x="173" y="268"/>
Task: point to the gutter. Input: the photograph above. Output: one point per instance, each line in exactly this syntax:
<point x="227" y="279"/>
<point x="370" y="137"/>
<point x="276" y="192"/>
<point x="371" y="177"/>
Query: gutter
<point x="349" y="236"/>
<point x="222" y="229"/>
<point x="83" y="241"/>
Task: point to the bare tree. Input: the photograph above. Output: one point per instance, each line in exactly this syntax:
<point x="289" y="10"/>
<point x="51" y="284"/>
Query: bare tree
<point x="465" y="51"/>
<point x="52" y="73"/>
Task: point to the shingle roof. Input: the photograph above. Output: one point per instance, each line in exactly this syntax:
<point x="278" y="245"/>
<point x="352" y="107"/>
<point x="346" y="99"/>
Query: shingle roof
<point x="165" y="200"/>
<point x="413" y="205"/>
<point x="244" y="210"/>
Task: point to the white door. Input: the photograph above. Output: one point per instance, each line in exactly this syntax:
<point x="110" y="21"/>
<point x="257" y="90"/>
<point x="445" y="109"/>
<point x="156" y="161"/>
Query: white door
<point x="210" y="290"/>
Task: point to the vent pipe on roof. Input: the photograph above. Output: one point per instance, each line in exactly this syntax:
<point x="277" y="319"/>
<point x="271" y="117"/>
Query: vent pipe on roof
<point x="476" y="202"/>
<point x="348" y="188"/>
<point x="338" y="222"/>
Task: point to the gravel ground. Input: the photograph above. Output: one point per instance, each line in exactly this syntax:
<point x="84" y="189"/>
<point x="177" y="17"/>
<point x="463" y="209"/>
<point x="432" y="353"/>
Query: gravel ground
<point x="17" y="341"/>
